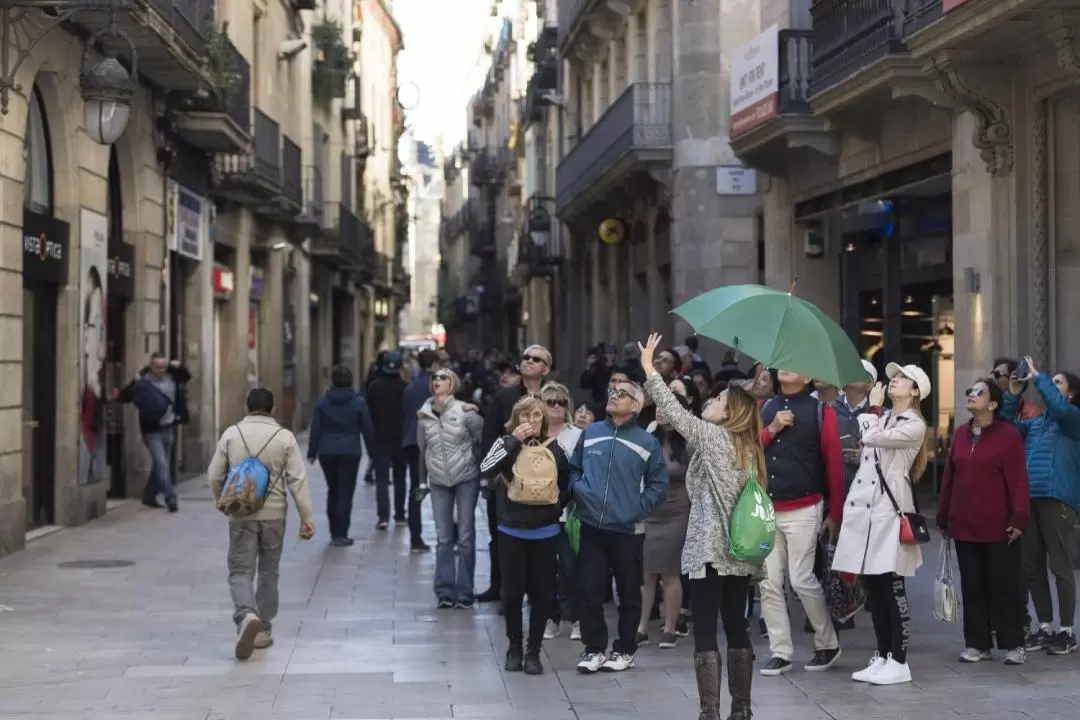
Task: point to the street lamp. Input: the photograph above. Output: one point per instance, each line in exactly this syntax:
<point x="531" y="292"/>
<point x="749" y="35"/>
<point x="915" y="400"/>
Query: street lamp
<point x="107" y="88"/>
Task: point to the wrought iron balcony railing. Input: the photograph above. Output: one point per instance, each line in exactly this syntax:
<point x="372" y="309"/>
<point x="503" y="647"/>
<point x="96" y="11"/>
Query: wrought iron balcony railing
<point x="921" y="14"/>
<point x="850" y="35"/>
<point x="262" y="164"/>
<point x="238" y="95"/>
<point x="313" y="193"/>
<point x="292" y="172"/>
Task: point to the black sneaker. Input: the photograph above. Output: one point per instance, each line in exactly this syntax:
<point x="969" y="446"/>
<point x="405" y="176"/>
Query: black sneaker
<point x="641" y="638"/>
<point x="382" y="525"/>
<point x="171" y="504"/>
<point x="419" y="546"/>
<point x="1062" y="643"/>
<point x="775" y="666"/>
<point x="514" y="659"/>
<point x="342" y="541"/>
<point x="822" y="660"/>
<point x="465" y="604"/>
<point x="532" y="665"/>
<point x="682" y="626"/>
<point x="488" y="596"/>
<point x="1038" y="640"/>
<point x="153" y="504"/>
<point x="445" y="603"/>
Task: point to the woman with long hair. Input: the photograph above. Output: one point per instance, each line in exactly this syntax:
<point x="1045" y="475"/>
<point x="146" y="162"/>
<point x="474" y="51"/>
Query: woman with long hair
<point x="528" y="529"/>
<point x="1052" y="444"/>
<point x="665" y="528"/>
<point x="447" y="434"/>
<point x="894" y="456"/>
<point x="725" y="454"/>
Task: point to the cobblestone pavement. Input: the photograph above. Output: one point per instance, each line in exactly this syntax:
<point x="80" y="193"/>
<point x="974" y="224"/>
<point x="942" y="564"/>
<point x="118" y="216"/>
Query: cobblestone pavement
<point x="358" y="637"/>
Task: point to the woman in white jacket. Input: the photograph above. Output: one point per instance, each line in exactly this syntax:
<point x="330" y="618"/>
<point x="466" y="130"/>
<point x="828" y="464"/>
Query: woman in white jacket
<point x="894" y="451"/>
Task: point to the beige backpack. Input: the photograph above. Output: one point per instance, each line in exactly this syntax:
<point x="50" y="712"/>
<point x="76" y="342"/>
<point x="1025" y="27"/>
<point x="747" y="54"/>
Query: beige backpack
<point x="535" y="478"/>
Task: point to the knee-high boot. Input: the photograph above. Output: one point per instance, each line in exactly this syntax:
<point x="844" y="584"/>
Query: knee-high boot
<point x="708" y="669"/>
<point x="740" y="678"/>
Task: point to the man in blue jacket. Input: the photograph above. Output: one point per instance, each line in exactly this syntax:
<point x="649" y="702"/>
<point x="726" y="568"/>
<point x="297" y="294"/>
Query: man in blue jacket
<point x="617" y="477"/>
<point x="416" y="394"/>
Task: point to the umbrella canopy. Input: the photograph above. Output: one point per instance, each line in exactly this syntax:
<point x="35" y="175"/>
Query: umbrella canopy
<point x="777" y="329"/>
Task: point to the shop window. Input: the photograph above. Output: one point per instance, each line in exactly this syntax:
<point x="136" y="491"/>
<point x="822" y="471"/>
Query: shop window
<point x="37" y="189"/>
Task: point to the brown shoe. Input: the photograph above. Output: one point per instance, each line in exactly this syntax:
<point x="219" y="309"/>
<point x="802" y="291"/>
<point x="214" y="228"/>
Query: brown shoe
<point x="740" y="679"/>
<point x="707" y="669"/>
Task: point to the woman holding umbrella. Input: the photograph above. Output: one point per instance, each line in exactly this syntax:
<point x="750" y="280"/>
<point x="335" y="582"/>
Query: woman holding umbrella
<point x="872" y="542"/>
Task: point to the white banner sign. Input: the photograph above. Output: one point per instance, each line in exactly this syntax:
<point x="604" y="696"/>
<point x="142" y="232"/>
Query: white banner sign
<point x="188" y="221"/>
<point x="755" y="89"/>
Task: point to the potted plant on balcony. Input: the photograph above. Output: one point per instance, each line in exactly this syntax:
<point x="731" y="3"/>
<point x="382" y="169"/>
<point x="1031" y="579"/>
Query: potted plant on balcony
<point x="331" y="62"/>
<point x="219" y="57"/>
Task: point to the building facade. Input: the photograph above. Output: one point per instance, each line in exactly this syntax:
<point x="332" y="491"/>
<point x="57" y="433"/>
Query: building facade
<point x="198" y="230"/>
<point x="423" y="172"/>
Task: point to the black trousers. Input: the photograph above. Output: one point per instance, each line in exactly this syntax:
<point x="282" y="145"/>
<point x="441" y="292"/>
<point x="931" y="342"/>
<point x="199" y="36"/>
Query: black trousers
<point x="394" y="460"/>
<point x="724" y="596"/>
<point x="993" y="600"/>
<point x="887" y="598"/>
<point x="340" y="472"/>
<point x="493" y="545"/>
<point x="528" y="566"/>
<point x="412" y="462"/>
<point x="602" y="551"/>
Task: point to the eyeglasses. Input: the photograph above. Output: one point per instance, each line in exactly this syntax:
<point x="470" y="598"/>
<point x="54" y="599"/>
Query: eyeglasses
<point x="619" y="393"/>
<point x="440" y="376"/>
<point x="557" y="403"/>
<point x="975" y="392"/>
<point x="534" y="359"/>
<point x="997" y="374"/>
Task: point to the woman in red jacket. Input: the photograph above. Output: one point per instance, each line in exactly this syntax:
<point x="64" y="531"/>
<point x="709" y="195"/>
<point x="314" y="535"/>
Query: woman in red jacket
<point x="984" y="509"/>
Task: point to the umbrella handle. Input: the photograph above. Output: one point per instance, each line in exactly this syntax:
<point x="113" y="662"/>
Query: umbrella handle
<point x="794" y="282"/>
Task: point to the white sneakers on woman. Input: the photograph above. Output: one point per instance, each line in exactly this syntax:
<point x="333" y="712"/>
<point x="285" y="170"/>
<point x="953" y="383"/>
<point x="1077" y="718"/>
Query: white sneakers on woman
<point x="883" y="671"/>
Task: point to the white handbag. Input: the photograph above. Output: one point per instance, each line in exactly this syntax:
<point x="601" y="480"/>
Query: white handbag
<point x="946" y="602"/>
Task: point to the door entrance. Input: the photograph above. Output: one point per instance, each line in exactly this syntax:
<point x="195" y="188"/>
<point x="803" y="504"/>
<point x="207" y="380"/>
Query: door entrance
<point x="115" y="378"/>
<point x="39" y="403"/>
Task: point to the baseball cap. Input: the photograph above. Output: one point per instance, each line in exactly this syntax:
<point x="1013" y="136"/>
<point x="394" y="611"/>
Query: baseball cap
<point x="870" y="370"/>
<point x="913" y="373"/>
<point x="392" y="363"/>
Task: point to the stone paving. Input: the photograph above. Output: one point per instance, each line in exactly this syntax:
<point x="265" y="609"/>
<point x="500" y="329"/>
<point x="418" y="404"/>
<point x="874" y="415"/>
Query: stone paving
<point x="358" y="637"/>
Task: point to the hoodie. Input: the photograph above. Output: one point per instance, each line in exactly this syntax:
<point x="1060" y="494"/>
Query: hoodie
<point x="341" y="422"/>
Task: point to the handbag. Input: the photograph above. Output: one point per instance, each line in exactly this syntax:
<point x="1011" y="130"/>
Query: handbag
<point x="946" y="603"/>
<point x="913" y="527"/>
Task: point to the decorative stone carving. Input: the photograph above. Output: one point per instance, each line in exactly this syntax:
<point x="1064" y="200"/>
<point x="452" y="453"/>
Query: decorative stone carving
<point x="1061" y="30"/>
<point x="1040" y="281"/>
<point x="993" y="136"/>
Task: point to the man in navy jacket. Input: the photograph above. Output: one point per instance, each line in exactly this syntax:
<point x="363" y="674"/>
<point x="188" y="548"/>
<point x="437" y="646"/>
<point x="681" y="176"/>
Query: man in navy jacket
<point x="416" y="394"/>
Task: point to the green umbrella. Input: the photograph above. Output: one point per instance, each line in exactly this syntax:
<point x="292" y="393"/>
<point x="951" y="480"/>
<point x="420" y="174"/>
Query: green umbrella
<point x="777" y="329"/>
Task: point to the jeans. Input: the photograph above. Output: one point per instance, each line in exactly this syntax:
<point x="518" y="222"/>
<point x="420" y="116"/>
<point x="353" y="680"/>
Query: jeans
<point x="887" y="596"/>
<point x="160" y="445"/>
<point x="793" y="554"/>
<point x="454" y="576"/>
<point x="602" y="551"/>
<point x="992" y="599"/>
<point x="566" y="581"/>
<point x="1048" y="539"/>
<point x="723" y="595"/>
<point x="528" y="566"/>
<point x="255" y="550"/>
<point x="340" y="472"/>
<point x="387" y="461"/>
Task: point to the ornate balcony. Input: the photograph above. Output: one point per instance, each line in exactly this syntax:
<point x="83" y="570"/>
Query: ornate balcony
<point x="312" y="217"/>
<point x="219" y="121"/>
<point x="382" y="277"/>
<point x="342" y="241"/>
<point x="401" y="281"/>
<point x="764" y="134"/>
<point x="287" y="205"/>
<point x="489" y="166"/>
<point x="252" y="178"/>
<point x="632" y="136"/>
<point x="587" y="26"/>
<point x="545" y="56"/>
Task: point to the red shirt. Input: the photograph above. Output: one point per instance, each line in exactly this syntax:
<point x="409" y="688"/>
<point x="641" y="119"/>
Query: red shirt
<point x="834" y="467"/>
<point x="985" y="487"/>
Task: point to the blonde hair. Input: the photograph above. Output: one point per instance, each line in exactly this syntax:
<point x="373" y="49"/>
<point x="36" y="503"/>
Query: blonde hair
<point x="922" y="459"/>
<point x="743" y="423"/>
<point x="555" y="391"/>
<point x="528" y="404"/>
<point x="455" y="381"/>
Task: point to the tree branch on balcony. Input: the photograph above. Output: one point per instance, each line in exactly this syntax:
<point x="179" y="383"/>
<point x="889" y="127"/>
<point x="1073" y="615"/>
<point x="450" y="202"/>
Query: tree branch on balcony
<point x="331" y="62"/>
<point x="219" y="56"/>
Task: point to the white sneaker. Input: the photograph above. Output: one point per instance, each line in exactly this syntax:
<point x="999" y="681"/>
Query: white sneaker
<point x="590" y="662"/>
<point x="575" y="631"/>
<point x="891" y="673"/>
<point x="876" y="663"/>
<point x="263" y="640"/>
<point x="1016" y="656"/>
<point x="617" y="662"/>
<point x="551" y="630"/>
<point x="971" y="655"/>
<point x="249" y="627"/>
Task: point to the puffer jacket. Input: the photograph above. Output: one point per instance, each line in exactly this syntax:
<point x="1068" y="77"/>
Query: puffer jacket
<point x="1051" y="444"/>
<point x="447" y="443"/>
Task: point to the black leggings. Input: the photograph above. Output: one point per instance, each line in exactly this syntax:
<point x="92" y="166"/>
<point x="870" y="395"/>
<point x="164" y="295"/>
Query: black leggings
<point x="723" y="595"/>
<point x="887" y="598"/>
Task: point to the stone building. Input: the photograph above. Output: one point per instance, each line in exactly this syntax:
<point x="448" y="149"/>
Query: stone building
<point x="423" y="170"/>
<point x="186" y="224"/>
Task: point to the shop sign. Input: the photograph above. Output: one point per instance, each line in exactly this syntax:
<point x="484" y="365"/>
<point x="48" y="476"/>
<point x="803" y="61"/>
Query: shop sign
<point x="755" y="88"/>
<point x="45" y="248"/>
<point x="256" y="276"/>
<point x="187" y="221"/>
<point x="735" y="180"/>
<point x="121" y="269"/>
<point x="948" y="5"/>
<point x="224" y="282"/>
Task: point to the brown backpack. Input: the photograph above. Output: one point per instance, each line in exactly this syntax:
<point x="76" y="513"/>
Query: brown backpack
<point x="535" y="476"/>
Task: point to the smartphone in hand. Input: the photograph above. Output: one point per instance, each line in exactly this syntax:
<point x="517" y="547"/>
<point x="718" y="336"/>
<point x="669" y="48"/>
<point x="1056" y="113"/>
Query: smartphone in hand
<point x="1022" y="370"/>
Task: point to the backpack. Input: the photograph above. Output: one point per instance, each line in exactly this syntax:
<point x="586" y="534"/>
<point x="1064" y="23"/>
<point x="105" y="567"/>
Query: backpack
<point x="535" y="476"/>
<point x="752" y="529"/>
<point x="248" y="483"/>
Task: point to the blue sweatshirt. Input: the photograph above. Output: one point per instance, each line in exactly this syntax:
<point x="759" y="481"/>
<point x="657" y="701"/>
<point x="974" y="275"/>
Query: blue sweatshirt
<point x="341" y="421"/>
<point x="416" y="395"/>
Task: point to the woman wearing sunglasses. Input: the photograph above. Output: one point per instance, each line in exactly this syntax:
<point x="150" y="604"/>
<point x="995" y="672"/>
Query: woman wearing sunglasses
<point x="447" y="435"/>
<point x="984" y="509"/>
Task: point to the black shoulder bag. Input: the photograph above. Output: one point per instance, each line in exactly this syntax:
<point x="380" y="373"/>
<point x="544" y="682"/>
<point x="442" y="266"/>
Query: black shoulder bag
<point x="913" y="527"/>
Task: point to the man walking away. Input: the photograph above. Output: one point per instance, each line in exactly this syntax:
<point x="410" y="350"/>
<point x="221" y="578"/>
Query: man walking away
<point x="340" y="430"/>
<point x="157" y="393"/>
<point x="805" y="464"/>
<point x="618" y="476"/>
<point x="256" y="539"/>
<point x="535" y="365"/>
<point x="386" y="398"/>
<point x="416" y="394"/>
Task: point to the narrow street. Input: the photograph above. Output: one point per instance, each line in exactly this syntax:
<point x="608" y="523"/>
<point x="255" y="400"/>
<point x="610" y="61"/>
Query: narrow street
<point x="149" y="637"/>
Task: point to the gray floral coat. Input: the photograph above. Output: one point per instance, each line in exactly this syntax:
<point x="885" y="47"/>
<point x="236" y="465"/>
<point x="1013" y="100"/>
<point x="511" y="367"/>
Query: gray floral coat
<point x="713" y="482"/>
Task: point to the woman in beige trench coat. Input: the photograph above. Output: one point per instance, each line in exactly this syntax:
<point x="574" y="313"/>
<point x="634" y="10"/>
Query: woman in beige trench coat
<point x="869" y="544"/>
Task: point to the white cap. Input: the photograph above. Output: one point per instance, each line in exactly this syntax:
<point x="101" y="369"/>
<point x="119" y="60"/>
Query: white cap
<point x="913" y="373"/>
<point x="870" y="370"/>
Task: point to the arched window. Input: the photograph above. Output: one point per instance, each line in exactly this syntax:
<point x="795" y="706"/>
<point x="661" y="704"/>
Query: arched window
<point x="38" y="179"/>
<point x="116" y="205"/>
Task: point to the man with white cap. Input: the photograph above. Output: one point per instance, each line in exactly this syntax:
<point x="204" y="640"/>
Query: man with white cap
<point x="853" y="401"/>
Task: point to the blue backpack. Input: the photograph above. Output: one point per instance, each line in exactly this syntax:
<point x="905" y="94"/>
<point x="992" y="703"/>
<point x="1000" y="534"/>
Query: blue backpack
<point x="247" y="484"/>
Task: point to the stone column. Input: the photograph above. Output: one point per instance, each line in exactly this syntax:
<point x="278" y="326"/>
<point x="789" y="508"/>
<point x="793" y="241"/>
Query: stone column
<point x="271" y="321"/>
<point x="785" y="256"/>
<point x="198" y="356"/>
<point x="234" y="318"/>
<point x="656" y="301"/>
<point x="306" y="350"/>
<point x="364" y="312"/>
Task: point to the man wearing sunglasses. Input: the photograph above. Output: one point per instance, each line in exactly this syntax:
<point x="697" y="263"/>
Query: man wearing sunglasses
<point x="535" y="365"/>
